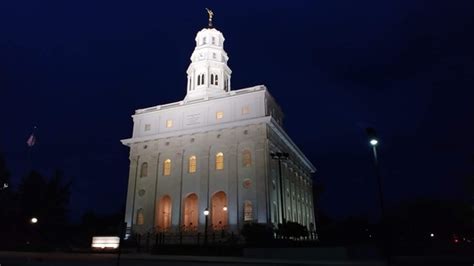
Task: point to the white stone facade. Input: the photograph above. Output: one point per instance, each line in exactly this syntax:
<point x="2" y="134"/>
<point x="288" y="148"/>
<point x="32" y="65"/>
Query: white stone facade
<point x="212" y="151"/>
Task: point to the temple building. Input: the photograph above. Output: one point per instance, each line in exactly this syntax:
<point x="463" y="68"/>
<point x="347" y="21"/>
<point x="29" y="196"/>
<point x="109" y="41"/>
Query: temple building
<point x="215" y="150"/>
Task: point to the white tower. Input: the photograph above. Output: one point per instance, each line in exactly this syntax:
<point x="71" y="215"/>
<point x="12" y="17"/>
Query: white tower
<point x="208" y="73"/>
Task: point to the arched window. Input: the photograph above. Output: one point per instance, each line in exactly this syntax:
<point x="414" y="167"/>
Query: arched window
<point x="246" y="158"/>
<point x="248" y="213"/>
<point x="219" y="161"/>
<point x="140" y="217"/>
<point x="144" y="170"/>
<point x="163" y="213"/>
<point x="202" y="79"/>
<point x="212" y="78"/>
<point x="215" y="80"/>
<point x="192" y="164"/>
<point x="199" y="80"/>
<point x="167" y="167"/>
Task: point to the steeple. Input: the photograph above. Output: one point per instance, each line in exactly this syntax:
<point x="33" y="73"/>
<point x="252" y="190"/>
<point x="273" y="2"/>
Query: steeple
<point x="208" y="73"/>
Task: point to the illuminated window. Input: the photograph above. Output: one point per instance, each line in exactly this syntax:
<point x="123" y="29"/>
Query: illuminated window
<point x="245" y="109"/>
<point x="140" y="217"/>
<point x="192" y="164"/>
<point x="147" y="127"/>
<point x="144" y="170"/>
<point x="219" y="115"/>
<point x="219" y="161"/>
<point x="246" y="158"/>
<point x="169" y="123"/>
<point x="248" y="212"/>
<point x="167" y="167"/>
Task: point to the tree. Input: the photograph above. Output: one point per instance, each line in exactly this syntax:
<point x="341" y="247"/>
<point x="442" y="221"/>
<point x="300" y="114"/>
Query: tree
<point x="292" y="230"/>
<point x="8" y="209"/>
<point x="48" y="201"/>
<point x="4" y="174"/>
<point x="255" y="233"/>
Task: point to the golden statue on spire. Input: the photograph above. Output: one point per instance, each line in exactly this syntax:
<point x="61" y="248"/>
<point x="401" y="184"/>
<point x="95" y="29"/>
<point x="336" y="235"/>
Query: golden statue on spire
<point x="211" y="14"/>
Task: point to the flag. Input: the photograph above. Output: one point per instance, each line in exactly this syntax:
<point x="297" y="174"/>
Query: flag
<point x="31" y="140"/>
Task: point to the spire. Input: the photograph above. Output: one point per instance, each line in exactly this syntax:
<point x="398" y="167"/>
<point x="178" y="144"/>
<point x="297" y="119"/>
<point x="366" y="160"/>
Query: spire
<point x="208" y="73"/>
<point x="211" y="14"/>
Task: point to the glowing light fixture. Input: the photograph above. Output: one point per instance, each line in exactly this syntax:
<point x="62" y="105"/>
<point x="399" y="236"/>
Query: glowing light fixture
<point x="225" y="208"/>
<point x="105" y="242"/>
<point x="431" y="235"/>
<point x="206" y="212"/>
<point x="373" y="140"/>
<point x="34" y="220"/>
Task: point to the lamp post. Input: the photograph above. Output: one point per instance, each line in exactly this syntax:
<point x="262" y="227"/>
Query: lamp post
<point x="280" y="156"/>
<point x="206" y="214"/>
<point x="374" y="141"/>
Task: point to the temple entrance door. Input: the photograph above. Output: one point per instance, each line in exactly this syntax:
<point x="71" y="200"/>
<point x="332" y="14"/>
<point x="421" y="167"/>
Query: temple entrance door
<point x="164" y="214"/>
<point x="219" y="211"/>
<point x="191" y="212"/>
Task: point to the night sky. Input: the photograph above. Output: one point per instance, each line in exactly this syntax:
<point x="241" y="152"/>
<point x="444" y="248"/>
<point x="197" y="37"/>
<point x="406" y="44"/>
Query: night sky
<point x="79" y="69"/>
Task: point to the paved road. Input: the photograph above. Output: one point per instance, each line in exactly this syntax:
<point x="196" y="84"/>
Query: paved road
<point x="76" y="259"/>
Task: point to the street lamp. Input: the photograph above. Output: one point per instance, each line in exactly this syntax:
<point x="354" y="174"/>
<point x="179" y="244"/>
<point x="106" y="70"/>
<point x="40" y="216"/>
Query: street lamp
<point x="206" y="215"/>
<point x="374" y="141"/>
<point x="280" y="156"/>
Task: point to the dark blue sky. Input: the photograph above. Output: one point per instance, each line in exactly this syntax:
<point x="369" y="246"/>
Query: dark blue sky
<point x="78" y="70"/>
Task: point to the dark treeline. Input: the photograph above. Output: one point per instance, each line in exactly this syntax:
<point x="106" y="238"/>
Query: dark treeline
<point x="409" y="221"/>
<point x="45" y="198"/>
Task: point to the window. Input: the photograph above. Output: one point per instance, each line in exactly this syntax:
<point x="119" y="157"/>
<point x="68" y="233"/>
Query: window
<point x="169" y="123"/>
<point x="204" y="40"/>
<point x="245" y="110"/>
<point x="212" y="79"/>
<point x="144" y="170"/>
<point x="246" y="158"/>
<point x="219" y="115"/>
<point x="167" y="167"/>
<point x="219" y="161"/>
<point x="140" y="217"/>
<point x="215" y="80"/>
<point x="248" y="213"/>
<point x="202" y="79"/>
<point x="199" y="80"/>
<point x="192" y="164"/>
<point x="213" y="40"/>
<point x="147" y="127"/>
<point x="214" y="56"/>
